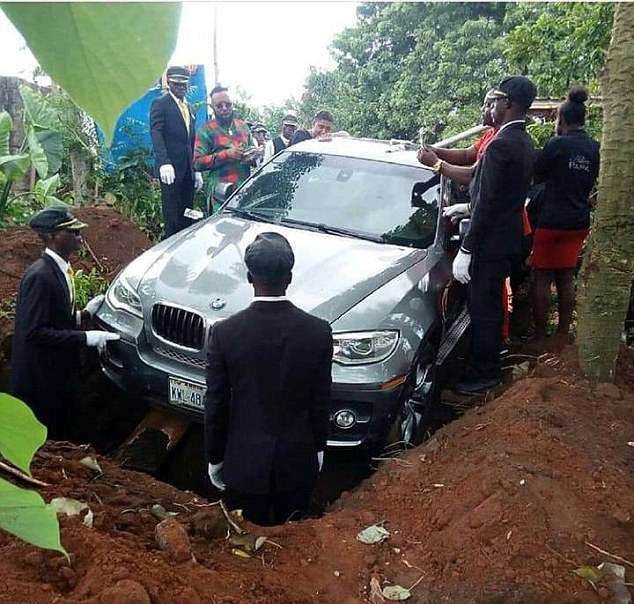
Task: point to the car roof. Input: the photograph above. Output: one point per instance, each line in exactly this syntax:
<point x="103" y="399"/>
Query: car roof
<point x="395" y="152"/>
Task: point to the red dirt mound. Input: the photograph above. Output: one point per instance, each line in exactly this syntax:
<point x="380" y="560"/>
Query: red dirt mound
<point x="500" y="506"/>
<point x="114" y="240"/>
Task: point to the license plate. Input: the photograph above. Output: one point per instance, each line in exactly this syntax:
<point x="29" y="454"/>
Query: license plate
<point x="189" y="394"/>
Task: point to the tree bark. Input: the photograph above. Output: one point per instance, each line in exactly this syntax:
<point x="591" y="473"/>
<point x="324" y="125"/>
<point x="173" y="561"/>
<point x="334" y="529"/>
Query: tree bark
<point x="608" y="268"/>
<point x="79" y="169"/>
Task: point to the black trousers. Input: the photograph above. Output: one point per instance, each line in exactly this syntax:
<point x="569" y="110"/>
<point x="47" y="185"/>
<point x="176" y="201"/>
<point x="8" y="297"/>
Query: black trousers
<point x="175" y="199"/>
<point x="485" y="308"/>
<point x="273" y="508"/>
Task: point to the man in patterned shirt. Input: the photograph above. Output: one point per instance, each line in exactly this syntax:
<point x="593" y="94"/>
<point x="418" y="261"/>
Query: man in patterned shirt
<point x="224" y="145"/>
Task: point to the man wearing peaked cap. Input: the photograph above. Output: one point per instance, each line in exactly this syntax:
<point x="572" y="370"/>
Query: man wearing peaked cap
<point x="172" y="126"/>
<point x="281" y="142"/>
<point x="268" y="394"/>
<point x="48" y="338"/>
<point x="493" y="242"/>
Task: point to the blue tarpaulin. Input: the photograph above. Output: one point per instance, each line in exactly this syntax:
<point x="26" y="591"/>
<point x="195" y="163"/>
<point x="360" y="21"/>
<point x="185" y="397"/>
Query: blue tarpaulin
<point x="132" y="131"/>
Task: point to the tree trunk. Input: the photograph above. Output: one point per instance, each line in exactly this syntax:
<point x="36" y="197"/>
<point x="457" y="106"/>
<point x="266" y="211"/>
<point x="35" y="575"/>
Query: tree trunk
<point x="608" y="268"/>
<point x="79" y="169"/>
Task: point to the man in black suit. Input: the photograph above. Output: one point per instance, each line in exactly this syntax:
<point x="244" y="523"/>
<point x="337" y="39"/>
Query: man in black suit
<point x="173" y="134"/>
<point x="268" y="394"/>
<point x="48" y="338"/>
<point x="493" y="243"/>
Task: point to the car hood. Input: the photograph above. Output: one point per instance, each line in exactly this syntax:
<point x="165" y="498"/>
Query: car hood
<point x="332" y="273"/>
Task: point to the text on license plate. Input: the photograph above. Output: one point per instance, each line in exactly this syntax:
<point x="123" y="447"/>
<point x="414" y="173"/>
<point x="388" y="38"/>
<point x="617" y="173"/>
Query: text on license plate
<point x="182" y="392"/>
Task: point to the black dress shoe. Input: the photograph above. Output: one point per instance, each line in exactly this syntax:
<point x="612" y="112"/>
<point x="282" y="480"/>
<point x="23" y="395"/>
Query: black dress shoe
<point x="475" y="386"/>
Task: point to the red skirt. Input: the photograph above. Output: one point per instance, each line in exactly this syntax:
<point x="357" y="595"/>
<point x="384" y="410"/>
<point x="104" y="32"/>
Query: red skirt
<point x="556" y="248"/>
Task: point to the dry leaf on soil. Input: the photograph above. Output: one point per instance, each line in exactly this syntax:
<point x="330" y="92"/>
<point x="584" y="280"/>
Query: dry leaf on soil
<point x="396" y="593"/>
<point x="88" y="519"/>
<point x="91" y="463"/>
<point x="68" y="506"/>
<point x="373" y="534"/>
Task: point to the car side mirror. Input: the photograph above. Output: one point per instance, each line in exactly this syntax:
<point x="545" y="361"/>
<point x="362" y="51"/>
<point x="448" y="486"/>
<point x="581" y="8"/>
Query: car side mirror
<point x="222" y="191"/>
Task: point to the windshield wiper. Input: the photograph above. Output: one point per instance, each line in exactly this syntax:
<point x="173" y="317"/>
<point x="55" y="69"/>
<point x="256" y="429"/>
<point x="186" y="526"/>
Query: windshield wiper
<point x="324" y="228"/>
<point x="248" y="214"/>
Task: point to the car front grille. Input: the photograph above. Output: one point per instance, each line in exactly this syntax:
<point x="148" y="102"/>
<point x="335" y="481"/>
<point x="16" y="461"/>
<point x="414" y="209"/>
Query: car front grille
<point x="180" y="357"/>
<point x="179" y="326"/>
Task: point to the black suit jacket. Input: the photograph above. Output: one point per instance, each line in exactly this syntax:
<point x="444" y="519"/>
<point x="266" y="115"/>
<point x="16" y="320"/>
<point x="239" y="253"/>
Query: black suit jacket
<point x="171" y="142"/>
<point x="46" y="342"/>
<point x="498" y="191"/>
<point x="268" y="397"/>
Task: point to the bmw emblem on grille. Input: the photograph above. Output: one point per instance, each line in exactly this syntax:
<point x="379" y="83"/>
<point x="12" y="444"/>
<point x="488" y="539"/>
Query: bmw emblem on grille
<point x="217" y="303"/>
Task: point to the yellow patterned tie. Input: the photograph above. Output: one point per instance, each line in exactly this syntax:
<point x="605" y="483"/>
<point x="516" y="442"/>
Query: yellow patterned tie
<point x="71" y="277"/>
<point x="182" y="105"/>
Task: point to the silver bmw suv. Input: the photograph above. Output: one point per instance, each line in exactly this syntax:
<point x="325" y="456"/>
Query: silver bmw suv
<point x="364" y="220"/>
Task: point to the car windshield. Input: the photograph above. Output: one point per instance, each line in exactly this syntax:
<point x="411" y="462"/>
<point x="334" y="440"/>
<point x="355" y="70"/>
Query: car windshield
<point x="371" y="199"/>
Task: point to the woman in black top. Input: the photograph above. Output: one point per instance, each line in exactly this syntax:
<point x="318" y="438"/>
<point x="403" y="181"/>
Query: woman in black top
<point x="568" y="166"/>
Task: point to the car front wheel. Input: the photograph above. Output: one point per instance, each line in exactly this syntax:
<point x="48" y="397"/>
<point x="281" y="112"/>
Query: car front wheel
<point x="410" y="423"/>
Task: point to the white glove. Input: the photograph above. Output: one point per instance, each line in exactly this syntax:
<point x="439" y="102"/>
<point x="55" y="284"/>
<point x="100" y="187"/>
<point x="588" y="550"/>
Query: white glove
<point x="320" y="459"/>
<point x="460" y="268"/>
<point x="198" y="181"/>
<point x="166" y="172"/>
<point x="99" y="339"/>
<point x="214" y="475"/>
<point x="94" y="305"/>
<point x="456" y="211"/>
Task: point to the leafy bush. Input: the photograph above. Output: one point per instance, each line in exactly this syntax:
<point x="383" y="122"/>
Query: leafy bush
<point x="24" y="513"/>
<point x="41" y="150"/>
<point x="135" y="193"/>
<point x="541" y="133"/>
<point x="88" y="285"/>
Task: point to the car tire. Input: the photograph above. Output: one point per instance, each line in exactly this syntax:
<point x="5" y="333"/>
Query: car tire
<point x="411" y="421"/>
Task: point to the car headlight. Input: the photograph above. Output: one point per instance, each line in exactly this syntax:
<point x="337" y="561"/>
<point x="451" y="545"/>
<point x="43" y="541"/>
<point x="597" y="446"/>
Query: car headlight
<point x="123" y="297"/>
<point x="359" y="347"/>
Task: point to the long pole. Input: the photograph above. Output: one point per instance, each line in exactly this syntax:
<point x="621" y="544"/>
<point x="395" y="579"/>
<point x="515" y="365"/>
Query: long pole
<point x="215" y="44"/>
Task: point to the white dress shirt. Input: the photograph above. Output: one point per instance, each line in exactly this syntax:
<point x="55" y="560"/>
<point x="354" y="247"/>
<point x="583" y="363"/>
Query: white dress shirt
<point x="269" y="149"/>
<point x="270" y="299"/>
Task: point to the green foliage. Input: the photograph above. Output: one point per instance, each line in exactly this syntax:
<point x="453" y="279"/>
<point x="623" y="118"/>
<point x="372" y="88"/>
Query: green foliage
<point x="36" y="154"/>
<point x="15" y="167"/>
<point x="24" y="514"/>
<point x="406" y="67"/>
<point x="559" y="44"/>
<point x="88" y="285"/>
<point x="44" y="190"/>
<point x="52" y="145"/>
<point x="105" y="55"/>
<point x="21" y="434"/>
<point x="6" y="125"/>
<point x="541" y="133"/>
<point x="40" y="149"/>
<point x="135" y="192"/>
<point x="244" y="108"/>
<point x="38" y="112"/>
